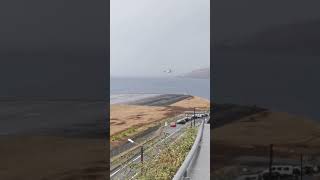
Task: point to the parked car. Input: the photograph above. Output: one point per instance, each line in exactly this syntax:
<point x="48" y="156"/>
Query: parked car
<point x="265" y="175"/>
<point x="296" y="171"/>
<point x="173" y="124"/>
<point x="281" y="170"/>
<point x="204" y="115"/>
<point x="193" y="117"/>
<point x="181" y="121"/>
<point x="308" y="170"/>
<point x="187" y="119"/>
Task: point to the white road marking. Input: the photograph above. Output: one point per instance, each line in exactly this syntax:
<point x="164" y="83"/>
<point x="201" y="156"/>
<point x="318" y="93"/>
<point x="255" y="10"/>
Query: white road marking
<point x="134" y="176"/>
<point x="111" y="175"/>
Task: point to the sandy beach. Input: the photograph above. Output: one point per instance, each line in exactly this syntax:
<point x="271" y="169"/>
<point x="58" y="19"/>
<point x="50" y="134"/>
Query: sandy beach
<point x="52" y="139"/>
<point x="48" y="157"/>
<point x="255" y="129"/>
<point x="127" y="116"/>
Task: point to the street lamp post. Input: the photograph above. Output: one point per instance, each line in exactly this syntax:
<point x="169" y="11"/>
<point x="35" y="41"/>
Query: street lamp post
<point x="270" y="161"/>
<point x="301" y="167"/>
<point x="191" y="120"/>
<point x="194" y="116"/>
<point x="141" y="149"/>
<point x="141" y="153"/>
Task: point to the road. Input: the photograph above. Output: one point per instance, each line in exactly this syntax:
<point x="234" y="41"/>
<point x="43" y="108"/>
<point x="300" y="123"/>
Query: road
<point x="200" y="168"/>
<point x="125" y="172"/>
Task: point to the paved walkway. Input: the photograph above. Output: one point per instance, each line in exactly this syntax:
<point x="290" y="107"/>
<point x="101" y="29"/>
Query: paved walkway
<point x="201" y="166"/>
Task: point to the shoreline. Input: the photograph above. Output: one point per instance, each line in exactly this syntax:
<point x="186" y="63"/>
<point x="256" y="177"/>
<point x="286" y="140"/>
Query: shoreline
<point x="142" y="115"/>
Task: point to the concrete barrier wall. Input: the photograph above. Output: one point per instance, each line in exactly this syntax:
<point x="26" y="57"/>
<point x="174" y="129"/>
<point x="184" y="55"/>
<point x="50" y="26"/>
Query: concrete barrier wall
<point x="183" y="170"/>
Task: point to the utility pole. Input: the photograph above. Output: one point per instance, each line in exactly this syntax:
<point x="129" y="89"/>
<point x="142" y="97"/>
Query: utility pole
<point x="141" y="157"/>
<point x="301" y="170"/>
<point x="194" y="115"/>
<point x="270" y="161"/>
<point x="141" y="154"/>
<point x="191" y="121"/>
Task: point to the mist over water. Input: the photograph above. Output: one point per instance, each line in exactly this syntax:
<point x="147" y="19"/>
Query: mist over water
<point x="195" y="87"/>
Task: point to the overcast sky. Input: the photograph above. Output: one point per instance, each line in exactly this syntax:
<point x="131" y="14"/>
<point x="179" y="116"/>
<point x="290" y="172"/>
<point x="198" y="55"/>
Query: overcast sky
<point x="233" y="19"/>
<point x="53" y="48"/>
<point x="149" y="36"/>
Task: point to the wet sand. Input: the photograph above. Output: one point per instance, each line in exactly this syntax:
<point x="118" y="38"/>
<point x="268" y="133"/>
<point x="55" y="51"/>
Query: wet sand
<point x="48" y="157"/>
<point x="53" y="139"/>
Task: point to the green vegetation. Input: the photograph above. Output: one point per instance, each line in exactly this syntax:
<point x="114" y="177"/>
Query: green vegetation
<point x="130" y="133"/>
<point x="123" y="134"/>
<point x="135" y="130"/>
<point x="165" y="165"/>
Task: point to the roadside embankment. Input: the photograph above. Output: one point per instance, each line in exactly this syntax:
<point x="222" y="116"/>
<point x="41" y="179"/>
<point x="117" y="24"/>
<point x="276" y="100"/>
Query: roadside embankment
<point x="131" y="120"/>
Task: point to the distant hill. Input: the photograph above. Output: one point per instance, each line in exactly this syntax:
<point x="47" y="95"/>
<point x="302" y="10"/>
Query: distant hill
<point x="203" y="73"/>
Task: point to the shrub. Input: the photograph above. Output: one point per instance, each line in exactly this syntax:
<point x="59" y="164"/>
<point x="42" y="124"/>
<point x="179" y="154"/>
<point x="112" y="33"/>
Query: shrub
<point x="166" y="164"/>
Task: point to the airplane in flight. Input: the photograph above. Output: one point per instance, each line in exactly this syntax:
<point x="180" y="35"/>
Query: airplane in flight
<point x="168" y="71"/>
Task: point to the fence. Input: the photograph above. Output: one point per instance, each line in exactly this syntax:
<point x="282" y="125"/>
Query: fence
<point x="152" y="150"/>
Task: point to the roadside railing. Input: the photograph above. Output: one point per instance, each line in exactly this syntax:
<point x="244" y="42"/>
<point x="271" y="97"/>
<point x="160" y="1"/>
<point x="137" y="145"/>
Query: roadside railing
<point x="182" y="173"/>
<point x="151" y="151"/>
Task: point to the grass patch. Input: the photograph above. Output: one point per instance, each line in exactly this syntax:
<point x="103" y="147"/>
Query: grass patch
<point x="124" y="134"/>
<point x="135" y="130"/>
<point x="169" y="160"/>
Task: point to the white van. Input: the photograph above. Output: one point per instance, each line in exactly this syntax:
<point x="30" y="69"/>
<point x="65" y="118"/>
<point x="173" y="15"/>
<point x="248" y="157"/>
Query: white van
<point x="282" y="170"/>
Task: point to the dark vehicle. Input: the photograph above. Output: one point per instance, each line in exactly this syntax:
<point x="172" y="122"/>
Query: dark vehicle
<point x="274" y="176"/>
<point x="296" y="171"/>
<point x="193" y="117"/>
<point x="181" y="121"/>
<point x="187" y="119"/>
<point x="308" y="170"/>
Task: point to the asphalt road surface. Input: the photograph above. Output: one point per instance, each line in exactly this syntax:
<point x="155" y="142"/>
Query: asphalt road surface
<point x="125" y="172"/>
<point x="200" y="168"/>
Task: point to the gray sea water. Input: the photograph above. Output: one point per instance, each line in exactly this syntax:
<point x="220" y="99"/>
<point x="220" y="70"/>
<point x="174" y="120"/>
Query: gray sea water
<point x="280" y="82"/>
<point x="195" y="87"/>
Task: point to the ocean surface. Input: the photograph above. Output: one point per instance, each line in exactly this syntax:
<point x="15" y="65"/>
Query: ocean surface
<point x="195" y="87"/>
<point x="279" y="82"/>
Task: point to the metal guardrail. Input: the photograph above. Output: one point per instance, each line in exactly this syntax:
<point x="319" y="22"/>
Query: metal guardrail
<point x="148" y="149"/>
<point x="183" y="170"/>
